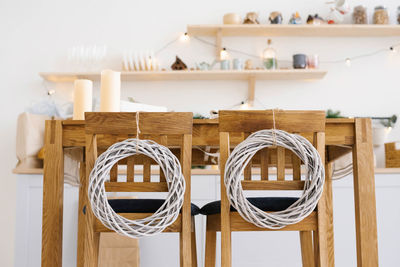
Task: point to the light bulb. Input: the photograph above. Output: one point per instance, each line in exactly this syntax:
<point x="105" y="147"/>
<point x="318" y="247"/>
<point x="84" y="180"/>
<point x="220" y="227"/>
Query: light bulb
<point x="185" y="37"/>
<point x="224" y="55"/>
<point x="244" y="106"/>
<point x="348" y="62"/>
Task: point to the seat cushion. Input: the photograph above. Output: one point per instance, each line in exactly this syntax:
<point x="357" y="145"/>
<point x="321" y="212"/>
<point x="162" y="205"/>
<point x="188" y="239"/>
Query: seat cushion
<point x="263" y="203"/>
<point x="142" y="205"/>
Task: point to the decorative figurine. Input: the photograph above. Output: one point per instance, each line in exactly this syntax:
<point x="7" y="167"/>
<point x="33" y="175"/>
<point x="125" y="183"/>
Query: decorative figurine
<point x="295" y="18"/>
<point x="315" y="20"/>
<point x="178" y="64"/>
<point x="251" y="18"/>
<point x="248" y="65"/>
<point x="275" y="17"/>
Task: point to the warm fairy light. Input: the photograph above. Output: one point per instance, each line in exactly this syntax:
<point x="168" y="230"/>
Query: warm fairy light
<point x="244" y="106"/>
<point x="185" y="37"/>
<point x="348" y="62"/>
<point x="224" y="55"/>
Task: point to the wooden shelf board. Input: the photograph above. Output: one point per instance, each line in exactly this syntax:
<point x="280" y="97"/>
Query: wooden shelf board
<point x="208" y="171"/>
<point x="288" y="74"/>
<point x="338" y="30"/>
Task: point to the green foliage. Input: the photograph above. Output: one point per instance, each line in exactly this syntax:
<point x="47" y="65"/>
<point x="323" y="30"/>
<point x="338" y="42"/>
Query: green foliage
<point x="333" y="114"/>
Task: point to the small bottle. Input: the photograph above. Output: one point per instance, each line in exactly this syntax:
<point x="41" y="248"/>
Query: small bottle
<point x="269" y="57"/>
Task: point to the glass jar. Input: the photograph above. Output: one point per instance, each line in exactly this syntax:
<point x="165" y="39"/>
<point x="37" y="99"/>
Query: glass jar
<point x="360" y="15"/>
<point x="269" y="57"/>
<point x="381" y="15"/>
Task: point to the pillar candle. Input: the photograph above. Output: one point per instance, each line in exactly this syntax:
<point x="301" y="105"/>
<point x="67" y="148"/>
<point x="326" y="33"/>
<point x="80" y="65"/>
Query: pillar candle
<point x="110" y="91"/>
<point x="82" y="98"/>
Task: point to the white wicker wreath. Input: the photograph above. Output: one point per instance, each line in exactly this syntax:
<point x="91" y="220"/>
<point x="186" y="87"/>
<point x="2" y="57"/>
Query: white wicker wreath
<point x="314" y="179"/>
<point x="164" y="216"/>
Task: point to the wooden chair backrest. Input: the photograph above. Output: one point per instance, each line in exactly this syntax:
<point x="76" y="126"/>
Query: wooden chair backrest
<point x="310" y="124"/>
<point x="157" y="126"/>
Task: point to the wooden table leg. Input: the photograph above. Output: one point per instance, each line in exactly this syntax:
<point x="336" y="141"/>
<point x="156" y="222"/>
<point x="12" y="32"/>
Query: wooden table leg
<point x="364" y="195"/>
<point x="53" y="192"/>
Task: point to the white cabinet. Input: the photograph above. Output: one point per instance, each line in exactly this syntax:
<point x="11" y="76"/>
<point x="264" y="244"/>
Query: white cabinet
<point x="249" y="249"/>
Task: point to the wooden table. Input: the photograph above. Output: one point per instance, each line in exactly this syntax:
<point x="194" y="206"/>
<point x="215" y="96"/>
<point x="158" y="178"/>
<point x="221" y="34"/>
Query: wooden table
<point x="355" y="134"/>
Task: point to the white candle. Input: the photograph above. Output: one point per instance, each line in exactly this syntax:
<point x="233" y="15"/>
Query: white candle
<point x="82" y="98"/>
<point x="110" y="91"/>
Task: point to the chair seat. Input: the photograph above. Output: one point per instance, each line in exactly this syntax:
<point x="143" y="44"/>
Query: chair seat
<point x="263" y="203"/>
<point x="142" y="205"/>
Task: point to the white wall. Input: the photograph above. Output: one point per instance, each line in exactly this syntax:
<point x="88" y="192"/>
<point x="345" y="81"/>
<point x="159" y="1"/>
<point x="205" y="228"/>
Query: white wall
<point x="36" y="35"/>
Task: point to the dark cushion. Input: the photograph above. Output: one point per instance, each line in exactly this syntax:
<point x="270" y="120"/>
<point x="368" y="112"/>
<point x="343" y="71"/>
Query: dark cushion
<point x="263" y="203"/>
<point x="141" y="205"/>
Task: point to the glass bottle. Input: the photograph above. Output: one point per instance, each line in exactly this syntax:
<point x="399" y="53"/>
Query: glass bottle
<point x="269" y="57"/>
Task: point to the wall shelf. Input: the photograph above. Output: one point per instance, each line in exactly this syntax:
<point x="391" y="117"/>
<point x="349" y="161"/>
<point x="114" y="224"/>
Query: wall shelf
<point x="338" y="30"/>
<point x="250" y="75"/>
<point x="288" y="74"/>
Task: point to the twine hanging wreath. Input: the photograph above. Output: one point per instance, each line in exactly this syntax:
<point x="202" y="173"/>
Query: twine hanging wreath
<point x="171" y="168"/>
<point x="314" y="179"/>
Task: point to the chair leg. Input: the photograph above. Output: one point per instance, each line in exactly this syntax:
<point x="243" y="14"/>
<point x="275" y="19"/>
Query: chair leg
<point x="316" y="249"/>
<point x="211" y="246"/>
<point x="194" y="247"/>
<point x="307" y="250"/>
<point x="185" y="250"/>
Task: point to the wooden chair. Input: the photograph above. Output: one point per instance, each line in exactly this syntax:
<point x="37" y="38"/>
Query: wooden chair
<point x="222" y="217"/>
<point x="102" y="130"/>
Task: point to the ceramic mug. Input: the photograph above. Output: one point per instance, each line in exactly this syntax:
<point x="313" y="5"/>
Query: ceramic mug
<point x="225" y="64"/>
<point x="237" y="64"/>
<point x="299" y="61"/>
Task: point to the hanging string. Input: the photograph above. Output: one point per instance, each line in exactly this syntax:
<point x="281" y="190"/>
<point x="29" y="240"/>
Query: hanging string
<point x="137" y="131"/>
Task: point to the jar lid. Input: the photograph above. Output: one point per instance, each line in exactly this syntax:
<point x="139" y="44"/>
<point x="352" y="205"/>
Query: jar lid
<point x="380" y="7"/>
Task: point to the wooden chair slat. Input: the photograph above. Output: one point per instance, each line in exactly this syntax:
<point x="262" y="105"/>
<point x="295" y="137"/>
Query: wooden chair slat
<point x="114" y="173"/>
<point x="264" y="163"/>
<point x="272" y="185"/>
<point x="146" y="170"/>
<point x="296" y="166"/>
<point x="130" y="169"/>
<point x="287" y="120"/>
<point x="280" y="163"/>
<point x="136" y="187"/>
<point x="149" y="122"/>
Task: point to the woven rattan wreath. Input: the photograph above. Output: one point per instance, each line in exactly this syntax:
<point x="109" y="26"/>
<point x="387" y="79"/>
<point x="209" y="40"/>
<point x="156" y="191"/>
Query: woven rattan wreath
<point x="164" y="216"/>
<point x="314" y="178"/>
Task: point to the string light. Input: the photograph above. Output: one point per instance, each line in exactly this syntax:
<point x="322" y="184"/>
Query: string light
<point x="244" y="105"/>
<point x="224" y="52"/>
<point x="224" y="55"/>
<point x="348" y="62"/>
<point x="185" y="37"/>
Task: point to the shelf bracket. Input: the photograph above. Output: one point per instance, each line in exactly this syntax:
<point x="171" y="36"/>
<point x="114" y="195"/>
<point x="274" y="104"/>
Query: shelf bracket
<point x="251" y="90"/>
<point x="218" y="43"/>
